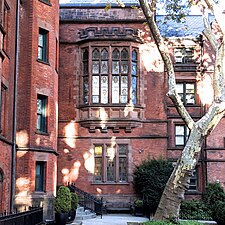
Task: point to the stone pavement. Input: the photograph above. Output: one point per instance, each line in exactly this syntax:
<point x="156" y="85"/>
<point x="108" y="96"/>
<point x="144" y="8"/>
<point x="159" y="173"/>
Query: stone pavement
<point x="111" y="219"/>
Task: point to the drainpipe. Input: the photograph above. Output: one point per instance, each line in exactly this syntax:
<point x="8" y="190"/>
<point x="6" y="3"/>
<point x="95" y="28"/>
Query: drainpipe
<point x="16" y="69"/>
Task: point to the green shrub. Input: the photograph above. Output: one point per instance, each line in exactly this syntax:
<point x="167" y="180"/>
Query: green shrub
<point x="194" y="210"/>
<point x="138" y="203"/>
<point x="63" y="200"/>
<point x="219" y="213"/>
<point x="150" y="179"/>
<point x="213" y="193"/>
<point x="74" y="200"/>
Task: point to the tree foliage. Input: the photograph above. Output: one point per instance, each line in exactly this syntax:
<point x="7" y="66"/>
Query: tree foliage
<point x="150" y="179"/>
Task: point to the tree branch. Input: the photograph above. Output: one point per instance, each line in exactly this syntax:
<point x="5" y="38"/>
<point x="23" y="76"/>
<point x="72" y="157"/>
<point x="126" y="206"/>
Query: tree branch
<point x="218" y="13"/>
<point x="208" y="31"/>
<point x="172" y="93"/>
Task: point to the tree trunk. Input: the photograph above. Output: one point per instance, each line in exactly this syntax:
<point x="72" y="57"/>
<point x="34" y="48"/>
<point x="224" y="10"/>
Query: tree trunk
<point x="178" y="182"/>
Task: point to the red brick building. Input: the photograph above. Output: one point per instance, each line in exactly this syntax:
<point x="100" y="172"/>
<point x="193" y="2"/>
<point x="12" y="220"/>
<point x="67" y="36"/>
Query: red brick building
<point x="37" y="105"/>
<point x="113" y="108"/>
<point x="102" y="109"/>
<point x="7" y="72"/>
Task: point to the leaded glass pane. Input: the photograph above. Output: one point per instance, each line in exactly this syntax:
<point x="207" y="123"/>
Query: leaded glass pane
<point x="124" y="89"/>
<point x="134" y="68"/>
<point x="98" y="169"/>
<point x="98" y="150"/>
<point x="134" y="55"/>
<point x="134" y="90"/>
<point x="124" y="67"/>
<point x="115" y="67"/>
<point x="104" y="54"/>
<point x="96" y="54"/>
<point x="104" y="89"/>
<point x="116" y="54"/>
<point x="95" y="67"/>
<point x="85" y="55"/>
<point x="95" y="89"/>
<point x="115" y="89"/>
<point x="85" y="90"/>
<point x="110" y="169"/>
<point x="122" y="169"/>
<point x="124" y="54"/>
<point x="104" y="67"/>
<point x="95" y="98"/>
<point x="85" y="67"/>
<point x="122" y="149"/>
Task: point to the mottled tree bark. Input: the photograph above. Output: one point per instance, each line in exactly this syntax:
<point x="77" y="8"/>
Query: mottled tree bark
<point x="178" y="182"/>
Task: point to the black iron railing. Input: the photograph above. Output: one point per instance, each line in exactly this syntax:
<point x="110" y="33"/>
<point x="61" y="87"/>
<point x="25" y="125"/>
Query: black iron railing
<point x="88" y="201"/>
<point x="33" y="216"/>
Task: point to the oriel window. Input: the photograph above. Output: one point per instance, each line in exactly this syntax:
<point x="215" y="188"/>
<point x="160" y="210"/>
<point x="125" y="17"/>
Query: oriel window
<point x="113" y="77"/>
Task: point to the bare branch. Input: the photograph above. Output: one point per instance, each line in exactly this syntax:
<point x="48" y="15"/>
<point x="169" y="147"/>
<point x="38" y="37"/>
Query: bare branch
<point x="218" y="13"/>
<point x="172" y="93"/>
<point x="208" y="31"/>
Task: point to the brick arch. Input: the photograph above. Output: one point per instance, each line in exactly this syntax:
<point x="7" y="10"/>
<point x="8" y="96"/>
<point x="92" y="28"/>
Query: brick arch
<point x="1" y="188"/>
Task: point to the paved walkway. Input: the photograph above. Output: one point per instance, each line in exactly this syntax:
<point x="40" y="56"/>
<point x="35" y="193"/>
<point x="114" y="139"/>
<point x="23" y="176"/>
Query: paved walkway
<point x="113" y="219"/>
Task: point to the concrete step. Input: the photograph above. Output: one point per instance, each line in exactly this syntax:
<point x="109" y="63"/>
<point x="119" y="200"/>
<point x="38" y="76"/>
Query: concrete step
<point x="82" y="214"/>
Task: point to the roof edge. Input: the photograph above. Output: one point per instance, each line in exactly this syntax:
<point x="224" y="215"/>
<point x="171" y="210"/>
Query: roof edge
<point x="96" y="5"/>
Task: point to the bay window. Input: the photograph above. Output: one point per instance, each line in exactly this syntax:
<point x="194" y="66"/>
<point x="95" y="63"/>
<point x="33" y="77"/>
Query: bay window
<point x="112" y="77"/>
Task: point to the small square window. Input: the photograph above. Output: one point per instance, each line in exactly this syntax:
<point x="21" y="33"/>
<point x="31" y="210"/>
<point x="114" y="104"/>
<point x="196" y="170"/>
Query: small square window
<point x="40" y="176"/>
<point x="181" y="135"/>
<point x="43" y="45"/>
<point x="184" y="55"/>
<point x="187" y="93"/>
<point x="41" y="113"/>
<point x="193" y="185"/>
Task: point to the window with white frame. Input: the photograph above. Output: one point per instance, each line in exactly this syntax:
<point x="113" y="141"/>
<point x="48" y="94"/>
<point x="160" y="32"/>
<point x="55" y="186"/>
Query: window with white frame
<point x="187" y="93"/>
<point x="113" y="76"/>
<point x="181" y="135"/>
<point x="111" y="163"/>
<point x="184" y="55"/>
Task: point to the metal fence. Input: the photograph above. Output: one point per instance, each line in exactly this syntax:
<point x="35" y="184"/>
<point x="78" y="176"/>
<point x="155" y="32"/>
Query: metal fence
<point x="33" y="216"/>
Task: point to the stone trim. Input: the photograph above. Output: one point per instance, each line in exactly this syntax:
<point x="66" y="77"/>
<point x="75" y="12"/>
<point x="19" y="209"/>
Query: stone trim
<point x="117" y="33"/>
